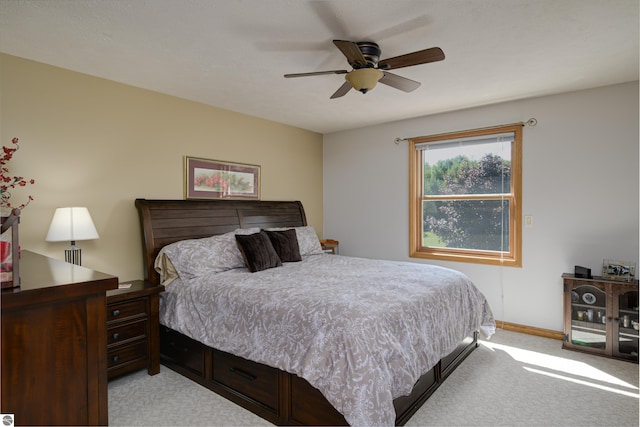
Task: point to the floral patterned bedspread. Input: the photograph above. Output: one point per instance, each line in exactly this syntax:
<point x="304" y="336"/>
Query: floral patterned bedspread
<point x="361" y="331"/>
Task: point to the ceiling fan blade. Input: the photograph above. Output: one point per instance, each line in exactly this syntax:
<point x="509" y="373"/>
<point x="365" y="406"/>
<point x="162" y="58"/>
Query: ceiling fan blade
<point x="398" y="82"/>
<point x="416" y="58"/>
<point x="342" y="90"/>
<point x="352" y="52"/>
<point x="316" y="73"/>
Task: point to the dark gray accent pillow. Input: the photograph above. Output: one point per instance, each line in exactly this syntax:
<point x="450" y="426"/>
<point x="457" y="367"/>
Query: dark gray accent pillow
<point x="285" y="244"/>
<point x="258" y="252"/>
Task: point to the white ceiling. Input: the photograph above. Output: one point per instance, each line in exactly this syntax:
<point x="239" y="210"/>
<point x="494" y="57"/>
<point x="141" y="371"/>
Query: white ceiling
<point x="233" y="53"/>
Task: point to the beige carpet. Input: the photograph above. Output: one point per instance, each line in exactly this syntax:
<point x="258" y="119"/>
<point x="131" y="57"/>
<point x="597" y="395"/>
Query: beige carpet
<point x="511" y="380"/>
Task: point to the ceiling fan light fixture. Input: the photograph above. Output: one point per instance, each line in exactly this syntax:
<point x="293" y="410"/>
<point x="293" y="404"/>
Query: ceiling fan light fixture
<point x="364" y="79"/>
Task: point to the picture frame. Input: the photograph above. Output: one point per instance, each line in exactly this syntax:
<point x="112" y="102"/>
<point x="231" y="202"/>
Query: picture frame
<point x="217" y="179"/>
<point x="624" y="271"/>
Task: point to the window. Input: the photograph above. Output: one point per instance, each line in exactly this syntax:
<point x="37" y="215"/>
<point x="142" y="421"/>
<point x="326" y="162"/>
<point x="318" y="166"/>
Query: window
<point x="465" y="196"/>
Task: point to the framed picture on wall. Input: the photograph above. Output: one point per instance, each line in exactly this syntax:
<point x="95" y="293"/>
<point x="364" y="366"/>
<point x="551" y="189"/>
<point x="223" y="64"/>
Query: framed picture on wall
<point x="216" y="179"/>
<point x="619" y="270"/>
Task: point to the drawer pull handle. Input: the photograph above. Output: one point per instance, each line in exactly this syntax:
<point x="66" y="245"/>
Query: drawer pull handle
<point x="116" y="358"/>
<point x="245" y="376"/>
<point x="116" y="336"/>
<point x="116" y="313"/>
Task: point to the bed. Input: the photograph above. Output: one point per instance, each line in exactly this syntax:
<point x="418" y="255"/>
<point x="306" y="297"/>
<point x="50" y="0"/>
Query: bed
<point x="319" y="340"/>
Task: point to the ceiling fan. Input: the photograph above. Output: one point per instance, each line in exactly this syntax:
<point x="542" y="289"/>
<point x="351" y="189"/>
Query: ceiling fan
<point x="368" y="70"/>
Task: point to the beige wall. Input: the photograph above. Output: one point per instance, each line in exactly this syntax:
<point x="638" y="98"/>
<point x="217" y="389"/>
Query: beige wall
<point x="96" y="143"/>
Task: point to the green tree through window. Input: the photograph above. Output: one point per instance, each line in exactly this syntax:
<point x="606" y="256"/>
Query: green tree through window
<point x="468" y="224"/>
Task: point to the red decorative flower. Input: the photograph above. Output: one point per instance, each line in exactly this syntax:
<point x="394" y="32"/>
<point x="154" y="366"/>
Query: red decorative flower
<point x="10" y="182"/>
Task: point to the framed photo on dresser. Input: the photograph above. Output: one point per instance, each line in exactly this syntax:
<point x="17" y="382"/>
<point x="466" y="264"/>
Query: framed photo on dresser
<point x="624" y="271"/>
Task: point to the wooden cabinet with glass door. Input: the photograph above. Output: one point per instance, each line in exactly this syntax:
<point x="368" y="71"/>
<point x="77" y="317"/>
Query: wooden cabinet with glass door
<point x="601" y="316"/>
<point x="625" y="329"/>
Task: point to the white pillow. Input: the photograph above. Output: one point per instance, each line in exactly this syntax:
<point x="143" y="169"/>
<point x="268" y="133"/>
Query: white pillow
<point x="308" y="241"/>
<point x="197" y="257"/>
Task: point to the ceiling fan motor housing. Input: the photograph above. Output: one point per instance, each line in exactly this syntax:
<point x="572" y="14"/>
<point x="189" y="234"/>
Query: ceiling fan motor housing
<point x="371" y="52"/>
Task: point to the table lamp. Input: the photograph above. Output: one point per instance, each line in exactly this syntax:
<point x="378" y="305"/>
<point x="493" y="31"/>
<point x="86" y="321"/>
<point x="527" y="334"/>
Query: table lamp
<point x="72" y="224"/>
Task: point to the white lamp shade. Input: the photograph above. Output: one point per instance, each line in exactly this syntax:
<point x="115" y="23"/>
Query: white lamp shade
<point x="71" y="224"/>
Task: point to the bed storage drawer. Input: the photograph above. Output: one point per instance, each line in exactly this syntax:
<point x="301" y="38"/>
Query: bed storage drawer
<point x="309" y="406"/>
<point x="184" y="351"/>
<point x="253" y="380"/>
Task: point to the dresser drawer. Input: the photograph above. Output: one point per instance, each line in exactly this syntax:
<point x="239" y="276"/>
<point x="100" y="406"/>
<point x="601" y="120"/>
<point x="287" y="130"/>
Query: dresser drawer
<point x="122" y="355"/>
<point x="127" y="309"/>
<point x="256" y="381"/>
<point x="127" y="332"/>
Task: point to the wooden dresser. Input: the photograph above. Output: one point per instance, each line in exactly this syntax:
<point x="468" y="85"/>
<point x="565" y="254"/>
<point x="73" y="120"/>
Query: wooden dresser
<point x="54" y="344"/>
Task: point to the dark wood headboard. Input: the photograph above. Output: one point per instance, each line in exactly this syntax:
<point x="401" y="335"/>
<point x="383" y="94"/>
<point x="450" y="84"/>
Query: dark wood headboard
<point x="166" y="221"/>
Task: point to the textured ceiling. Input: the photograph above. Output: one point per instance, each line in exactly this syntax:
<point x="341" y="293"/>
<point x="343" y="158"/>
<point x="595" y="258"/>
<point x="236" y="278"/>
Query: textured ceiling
<point x="233" y="54"/>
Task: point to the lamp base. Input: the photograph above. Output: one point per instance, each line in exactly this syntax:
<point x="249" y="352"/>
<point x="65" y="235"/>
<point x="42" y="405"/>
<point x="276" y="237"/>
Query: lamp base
<point x="73" y="254"/>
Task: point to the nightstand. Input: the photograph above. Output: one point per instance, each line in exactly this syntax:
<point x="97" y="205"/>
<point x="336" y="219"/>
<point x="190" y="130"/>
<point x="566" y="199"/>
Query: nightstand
<point x="133" y="329"/>
<point x="330" y="246"/>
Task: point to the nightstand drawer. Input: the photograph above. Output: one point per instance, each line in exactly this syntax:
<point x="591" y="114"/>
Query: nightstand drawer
<point x="127" y="309"/>
<point x="120" y="334"/>
<point x="127" y="354"/>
